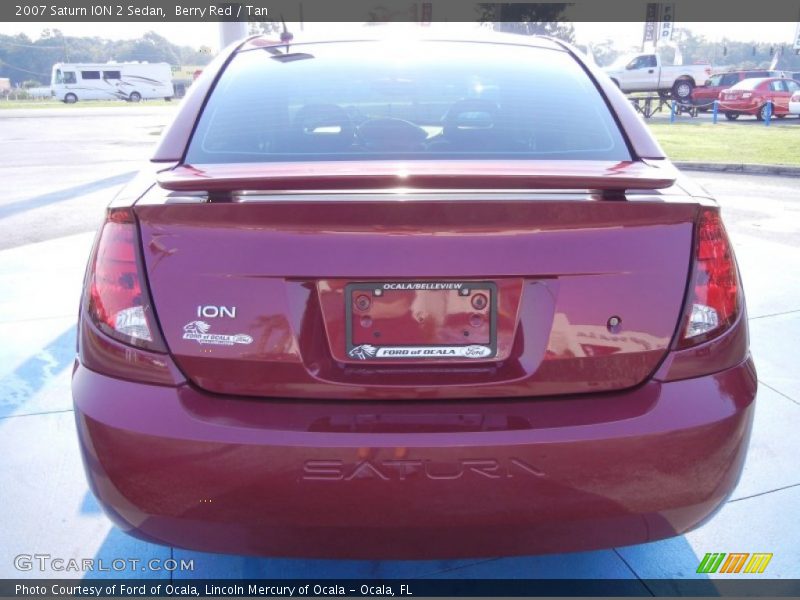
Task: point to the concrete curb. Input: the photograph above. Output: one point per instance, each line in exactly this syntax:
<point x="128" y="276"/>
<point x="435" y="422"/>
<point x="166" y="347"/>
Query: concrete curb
<point x="739" y="168"/>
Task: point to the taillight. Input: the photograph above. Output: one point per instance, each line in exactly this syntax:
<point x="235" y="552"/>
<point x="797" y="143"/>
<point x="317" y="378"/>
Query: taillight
<point x="714" y="294"/>
<point x="116" y="298"/>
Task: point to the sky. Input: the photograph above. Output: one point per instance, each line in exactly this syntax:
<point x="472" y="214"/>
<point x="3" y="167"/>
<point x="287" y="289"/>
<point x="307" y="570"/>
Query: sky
<point x="196" y="34"/>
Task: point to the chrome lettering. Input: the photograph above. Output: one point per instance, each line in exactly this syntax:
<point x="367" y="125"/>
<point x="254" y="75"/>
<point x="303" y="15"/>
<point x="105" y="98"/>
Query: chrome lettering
<point x="405" y="469"/>
<point x="213" y="312"/>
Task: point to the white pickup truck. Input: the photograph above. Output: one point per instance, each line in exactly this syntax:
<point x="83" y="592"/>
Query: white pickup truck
<point x="646" y="73"/>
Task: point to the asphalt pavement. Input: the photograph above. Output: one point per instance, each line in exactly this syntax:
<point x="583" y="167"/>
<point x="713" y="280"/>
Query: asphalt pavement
<point x="58" y="171"/>
<point x="60" y="167"/>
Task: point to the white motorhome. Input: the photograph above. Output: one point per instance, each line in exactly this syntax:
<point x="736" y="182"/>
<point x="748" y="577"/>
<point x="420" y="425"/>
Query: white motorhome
<point x="131" y="81"/>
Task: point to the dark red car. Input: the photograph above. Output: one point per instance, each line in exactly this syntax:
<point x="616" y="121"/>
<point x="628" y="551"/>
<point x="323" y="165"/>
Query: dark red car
<point x="703" y="96"/>
<point x="757" y="97"/>
<point x="411" y="298"/>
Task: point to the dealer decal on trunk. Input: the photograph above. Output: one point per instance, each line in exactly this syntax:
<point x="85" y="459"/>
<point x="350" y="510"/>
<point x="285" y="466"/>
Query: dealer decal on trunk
<point x="198" y="330"/>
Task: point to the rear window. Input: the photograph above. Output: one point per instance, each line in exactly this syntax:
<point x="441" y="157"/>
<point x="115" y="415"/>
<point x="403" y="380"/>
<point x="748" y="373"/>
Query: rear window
<point x="426" y="100"/>
<point x="748" y="84"/>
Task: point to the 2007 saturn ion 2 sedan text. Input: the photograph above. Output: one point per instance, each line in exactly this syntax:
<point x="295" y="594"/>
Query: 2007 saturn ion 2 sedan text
<point x="411" y="298"/>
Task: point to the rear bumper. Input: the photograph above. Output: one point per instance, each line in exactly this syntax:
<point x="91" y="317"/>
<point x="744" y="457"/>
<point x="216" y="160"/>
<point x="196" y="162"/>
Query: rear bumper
<point x="413" y="479"/>
<point x="740" y="107"/>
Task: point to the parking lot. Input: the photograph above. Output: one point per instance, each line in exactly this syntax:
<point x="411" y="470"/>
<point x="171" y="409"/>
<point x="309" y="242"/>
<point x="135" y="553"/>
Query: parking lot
<point x="60" y="167"/>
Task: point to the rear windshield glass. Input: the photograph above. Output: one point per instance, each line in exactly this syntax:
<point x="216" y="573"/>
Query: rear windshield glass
<point x="748" y="84"/>
<point x="427" y="100"/>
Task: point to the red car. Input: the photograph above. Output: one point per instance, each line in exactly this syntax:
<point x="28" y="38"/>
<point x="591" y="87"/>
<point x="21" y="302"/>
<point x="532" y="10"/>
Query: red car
<point x="758" y="97"/>
<point x="410" y="299"/>
<point x="703" y="96"/>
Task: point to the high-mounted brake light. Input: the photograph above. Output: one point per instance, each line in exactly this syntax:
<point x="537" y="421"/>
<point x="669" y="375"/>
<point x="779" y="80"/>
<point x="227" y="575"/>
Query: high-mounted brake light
<point x="116" y="297"/>
<point x="714" y="294"/>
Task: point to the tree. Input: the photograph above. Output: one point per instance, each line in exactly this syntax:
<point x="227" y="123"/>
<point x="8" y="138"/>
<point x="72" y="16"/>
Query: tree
<point x="190" y="56"/>
<point x="24" y="59"/>
<point x="529" y="19"/>
<point x="604" y="52"/>
<point x="151" y="47"/>
<point x="729" y="54"/>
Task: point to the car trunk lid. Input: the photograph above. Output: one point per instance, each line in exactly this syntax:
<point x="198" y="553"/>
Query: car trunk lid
<point x="403" y="293"/>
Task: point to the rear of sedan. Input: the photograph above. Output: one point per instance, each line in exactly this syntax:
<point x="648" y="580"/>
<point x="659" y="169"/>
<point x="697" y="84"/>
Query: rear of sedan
<point x="762" y="98"/>
<point x="703" y="96"/>
<point x="418" y="299"/>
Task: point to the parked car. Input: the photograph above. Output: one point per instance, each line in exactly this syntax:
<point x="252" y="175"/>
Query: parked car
<point x="458" y="304"/>
<point x="794" y="103"/>
<point x="758" y="97"/>
<point x="647" y="73"/>
<point x="703" y="96"/>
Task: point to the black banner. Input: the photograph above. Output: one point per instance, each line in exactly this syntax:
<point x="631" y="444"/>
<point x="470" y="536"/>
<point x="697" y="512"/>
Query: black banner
<point x="379" y="10"/>
<point x="414" y="588"/>
<point x="650" y="22"/>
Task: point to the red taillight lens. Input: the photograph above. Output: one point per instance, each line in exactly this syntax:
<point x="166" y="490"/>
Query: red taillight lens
<point x="116" y="298"/>
<point x="714" y="294"/>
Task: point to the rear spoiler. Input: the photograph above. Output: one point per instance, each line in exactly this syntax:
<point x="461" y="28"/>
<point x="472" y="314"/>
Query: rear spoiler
<point x="602" y="176"/>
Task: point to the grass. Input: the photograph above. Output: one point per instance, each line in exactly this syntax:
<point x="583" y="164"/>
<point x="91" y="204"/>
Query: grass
<point x="741" y="142"/>
<point x="753" y="143"/>
<point x="12" y="104"/>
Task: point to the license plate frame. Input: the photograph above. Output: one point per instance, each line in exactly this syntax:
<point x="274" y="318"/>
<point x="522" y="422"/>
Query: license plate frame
<point x="469" y="351"/>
